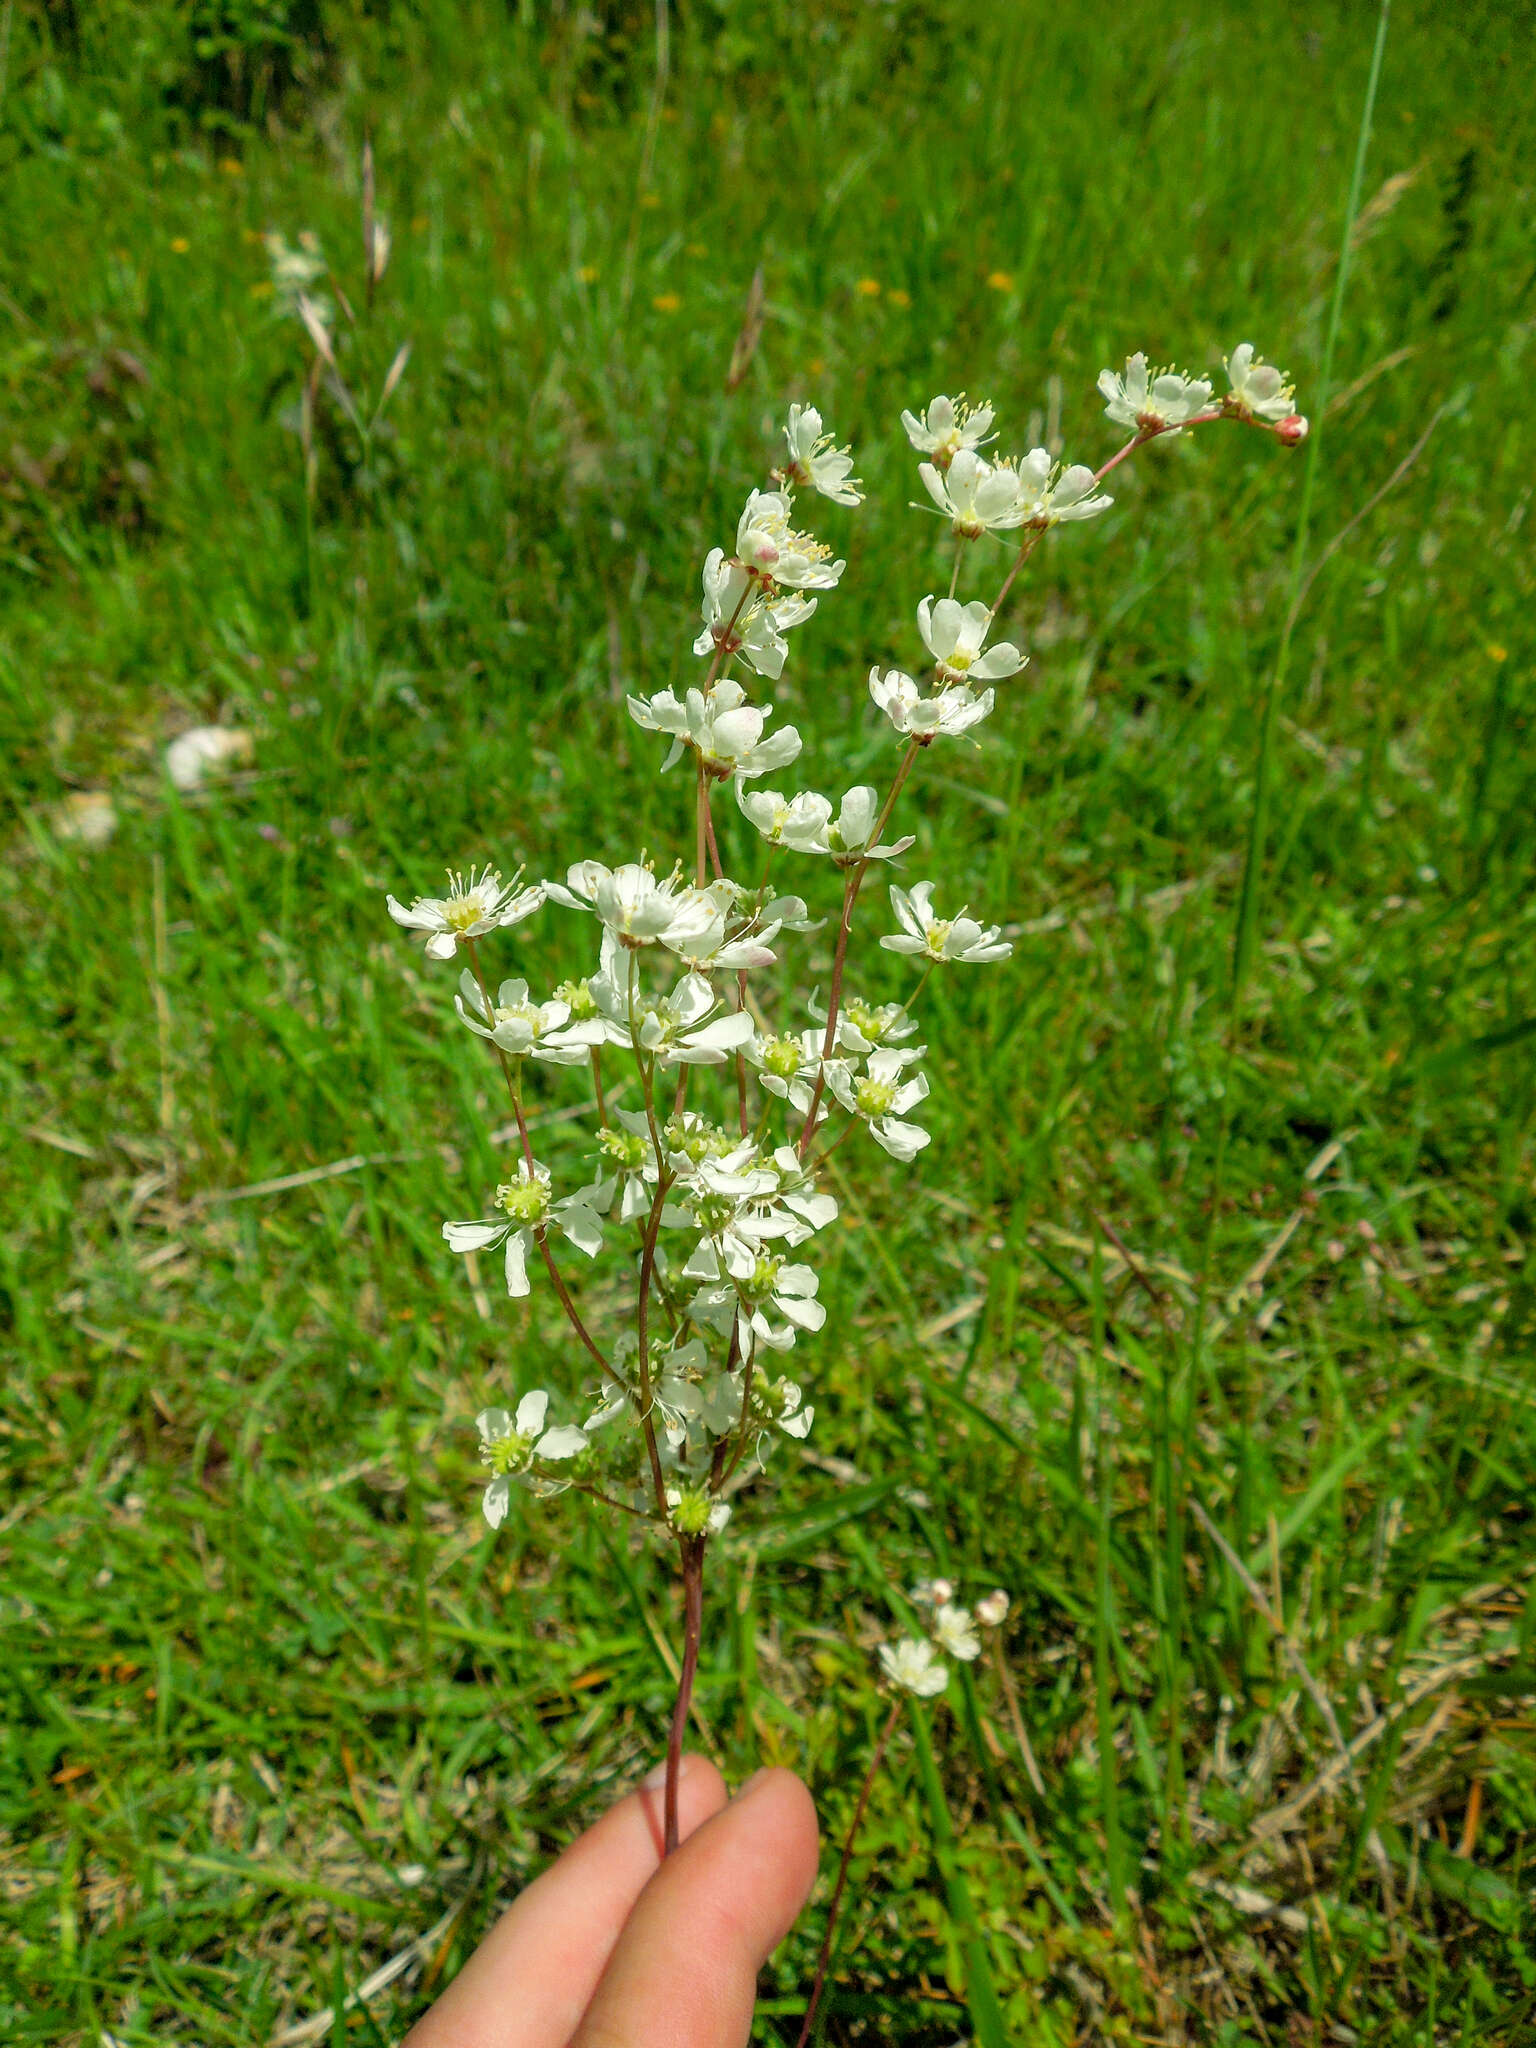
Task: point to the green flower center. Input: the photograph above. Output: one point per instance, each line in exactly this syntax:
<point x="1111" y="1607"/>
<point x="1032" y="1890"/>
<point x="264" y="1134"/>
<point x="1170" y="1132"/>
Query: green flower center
<point x="690" y="1515"/>
<point x="509" y="1453"/>
<point x="697" y="1142"/>
<point x="761" y="1281"/>
<point x="579" y="999"/>
<point x="874" y="1098"/>
<point x="781" y="1056"/>
<point x="626" y="1149"/>
<point x="525" y="1201"/>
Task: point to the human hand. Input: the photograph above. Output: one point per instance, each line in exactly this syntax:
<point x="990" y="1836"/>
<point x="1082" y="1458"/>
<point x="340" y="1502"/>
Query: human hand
<point x="614" y="1948"/>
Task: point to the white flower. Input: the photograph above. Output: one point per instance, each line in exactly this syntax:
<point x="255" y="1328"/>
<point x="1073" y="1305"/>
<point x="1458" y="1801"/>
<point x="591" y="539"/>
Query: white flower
<point x="847" y="837"/>
<point x="815" y="462"/>
<point x="947" y="426"/>
<point x="953" y="634"/>
<point x="1050" y="495"/>
<point x="516" y="1024"/>
<point x="882" y="1098"/>
<point x="1154" y="402"/>
<point x="1259" y="390"/>
<point x="510" y="1445"/>
<point x="799" y="822"/>
<point x="976" y="497"/>
<point x="293" y="269"/>
<point x="767" y="544"/>
<point x="673" y="1030"/>
<point x="527" y="1211"/>
<point x="788" y="1062"/>
<point x="951" y="712"/>
<point x="637" y="908"/>
<point x="952" y="938"/>
<point x="477" y="902"/>
<point x="738" y="621"/>
<point x="915" y="1667"/>
<point x="749" y="1285"/>
<point x="954" y="1633"/>
<point x="992" y="1609"/>
<point x="933" y="1593"/>
<point x="862" y="1026"/>
<point x="724" y="730"/>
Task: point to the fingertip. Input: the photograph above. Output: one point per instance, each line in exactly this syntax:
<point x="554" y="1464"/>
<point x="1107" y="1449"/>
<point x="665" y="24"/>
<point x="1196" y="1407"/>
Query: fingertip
<point x="781" y="1814"/>
<point x="701" y="1793"/>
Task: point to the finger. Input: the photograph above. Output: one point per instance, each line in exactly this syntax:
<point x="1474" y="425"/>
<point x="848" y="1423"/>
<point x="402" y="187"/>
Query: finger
<point x="684" y="1974"/>
<point x="530" y="1980"/>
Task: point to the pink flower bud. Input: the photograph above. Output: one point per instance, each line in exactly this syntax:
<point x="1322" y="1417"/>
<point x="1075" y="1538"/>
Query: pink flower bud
<point x="992" y="1610"/>
<point x="1292" y="431"/>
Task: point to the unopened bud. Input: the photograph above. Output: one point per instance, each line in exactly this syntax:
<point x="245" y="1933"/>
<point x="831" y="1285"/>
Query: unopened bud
<point x="992" y="1610"/>
<point x="1293" y="430"/>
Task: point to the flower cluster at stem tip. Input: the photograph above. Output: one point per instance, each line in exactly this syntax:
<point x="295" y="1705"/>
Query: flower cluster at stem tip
<point x="714" y="1100"/>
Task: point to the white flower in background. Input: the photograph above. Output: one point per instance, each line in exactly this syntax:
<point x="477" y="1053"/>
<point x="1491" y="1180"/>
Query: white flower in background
<point x="974" y="495"/>
<point x="799" y="822"/>
<point x="950" y="713"/>
<point x="992" y="1609"/>
<point x="815" y="462"/>
<point x="882" y="1098"/>
<point x="1155" y="401"/>
<point x="1050" y="495"/>
<point x="510" y="1445"/>
<point x="955" y="1633"/>
<point x="862" y="1026"/>
<point x="932" y="1593"/>
<point x="293" y="268"/>
<point x="527" y="1210"/>
<point x="954" y="634"/>
<point x="517" y="1024"/>
<point x="637" y="908"/>
<point x="724" y="730"/>
<point x="738" y="621"/>
<point x="947" y="426"/>
<point x="848" y="836"/>
<point x="941" y="938"/>
<point x="767" y="544"/>
<point x="693" y="1512"/>
<point x="478" y="901"/>
<point x="674" y="1031"/>
<point x="1259" y="390"/>
<point x="915" y="1668"/>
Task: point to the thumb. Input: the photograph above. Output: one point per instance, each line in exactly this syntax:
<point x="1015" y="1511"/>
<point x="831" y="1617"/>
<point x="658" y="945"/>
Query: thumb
<point x="684" y="1973"/>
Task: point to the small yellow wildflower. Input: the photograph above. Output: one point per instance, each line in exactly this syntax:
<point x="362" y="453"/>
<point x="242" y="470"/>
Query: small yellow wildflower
<point x="667" y="302"/>
<point x="1000" y="281"/>
<point x="179" y="245"/>
<point x="898" y="297"/>
<point x="588" y="273"/>
<point x="231" y="166"/>
<point x="868" y="288"/>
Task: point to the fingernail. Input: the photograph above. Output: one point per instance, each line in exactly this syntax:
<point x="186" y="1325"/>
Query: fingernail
<point x="755" y="1779"/>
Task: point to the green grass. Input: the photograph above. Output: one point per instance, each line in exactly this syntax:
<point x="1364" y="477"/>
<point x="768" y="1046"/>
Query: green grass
<point x="261" y="1657"/>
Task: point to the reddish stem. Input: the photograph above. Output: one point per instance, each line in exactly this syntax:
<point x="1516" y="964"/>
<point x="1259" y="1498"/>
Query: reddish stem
<point x="692" y="1551"/>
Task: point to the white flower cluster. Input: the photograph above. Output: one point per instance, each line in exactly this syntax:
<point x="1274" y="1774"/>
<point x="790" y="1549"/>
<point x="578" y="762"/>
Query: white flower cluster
<point x="916" y="1663"/>
<point x="1152" y="402"/>
<point x="717" y="1093"/>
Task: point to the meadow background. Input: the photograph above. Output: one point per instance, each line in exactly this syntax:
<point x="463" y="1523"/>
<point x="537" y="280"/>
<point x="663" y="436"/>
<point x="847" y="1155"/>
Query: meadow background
<point x="1198" y="1269"/>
